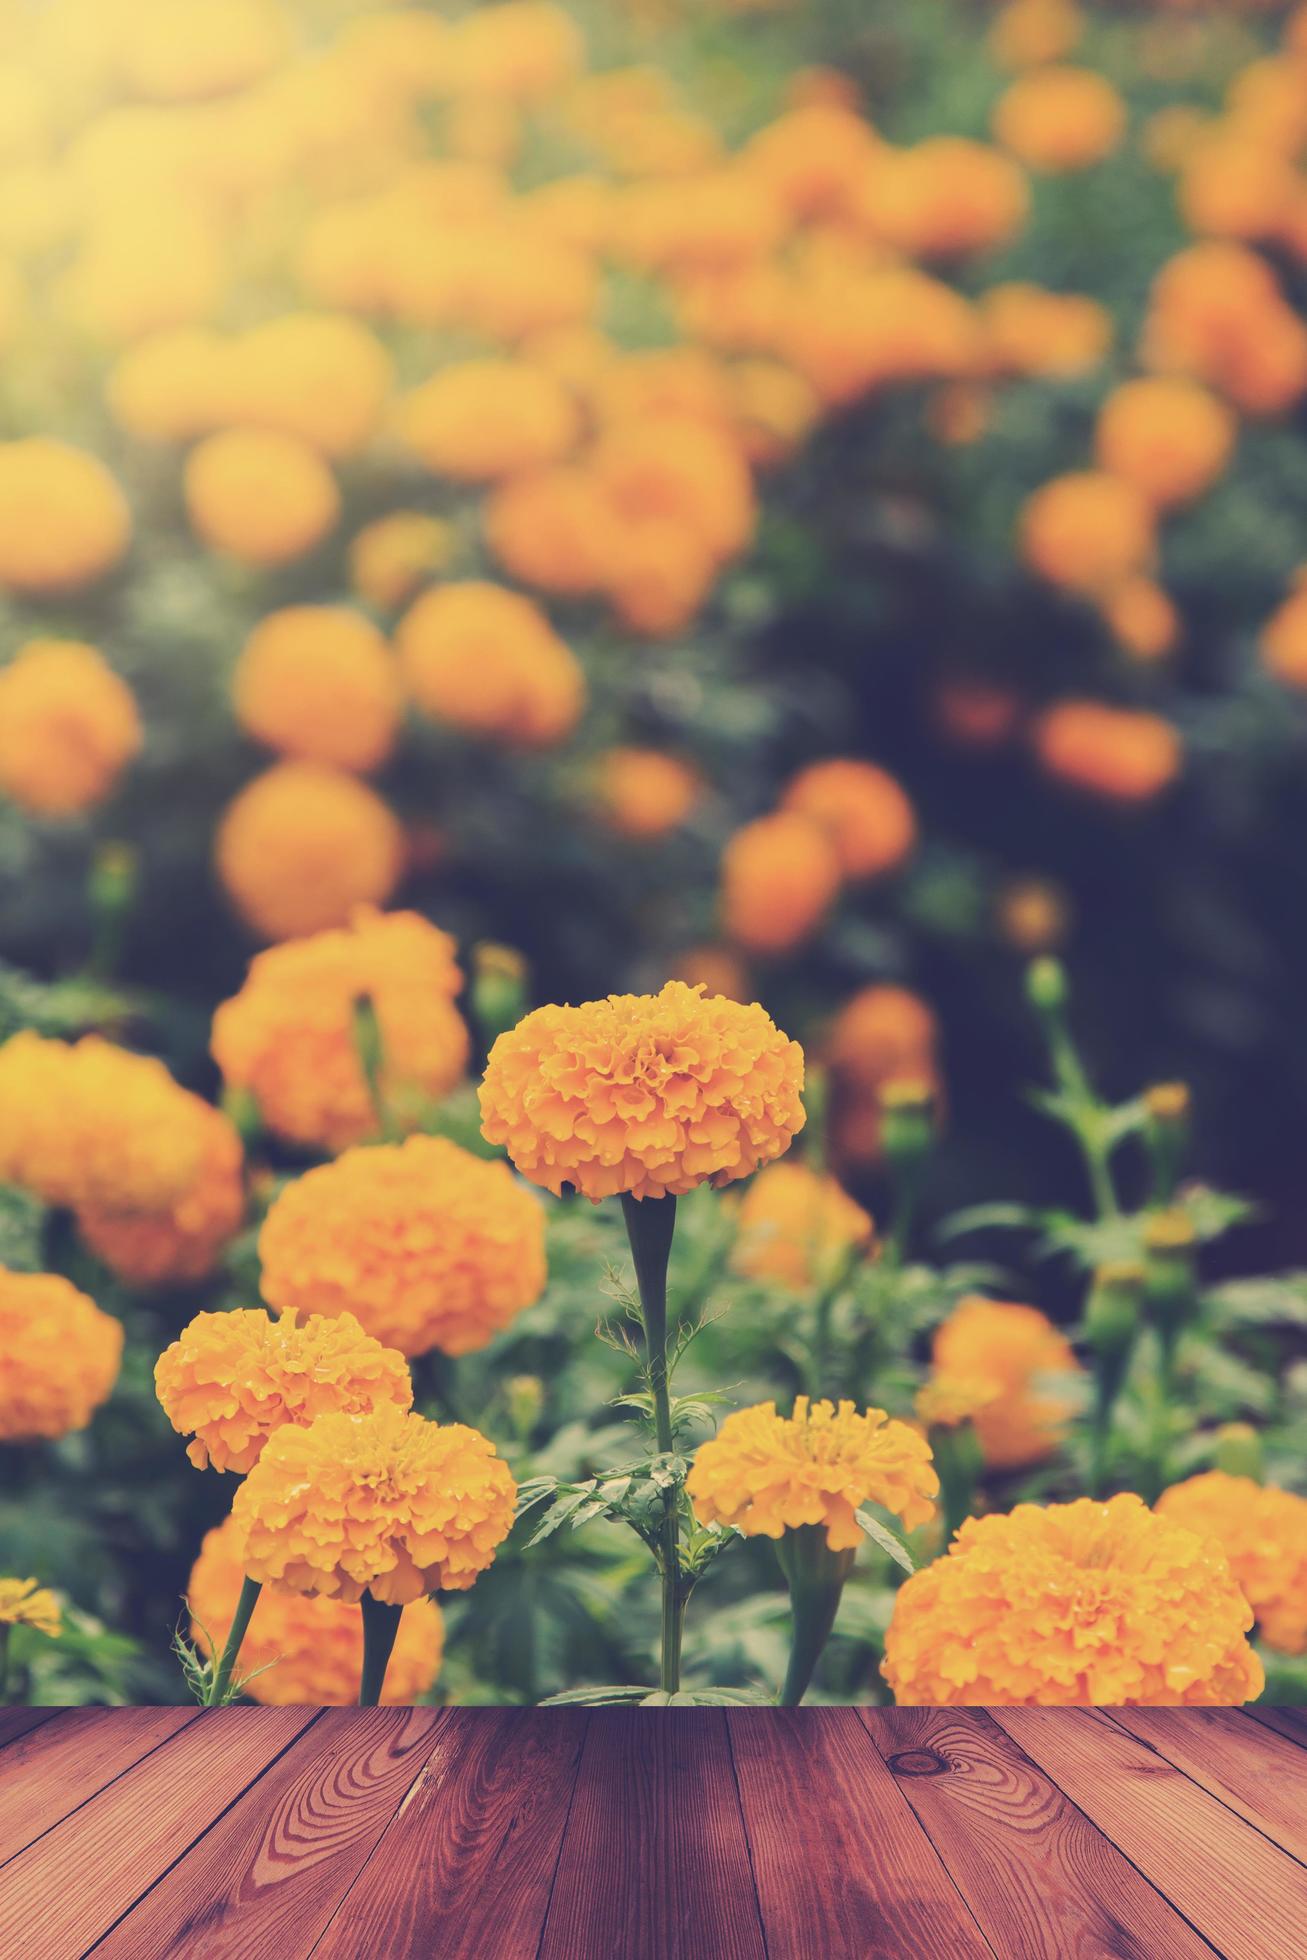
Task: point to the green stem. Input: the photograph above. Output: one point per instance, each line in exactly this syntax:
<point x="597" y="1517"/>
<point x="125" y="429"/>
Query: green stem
<point x="245" y="1605"/>
<point x="380" y="1625"/>
<point x="650" y="1223"/>
<point x="815" y="1576"/>
<point x="5" y="1631"/>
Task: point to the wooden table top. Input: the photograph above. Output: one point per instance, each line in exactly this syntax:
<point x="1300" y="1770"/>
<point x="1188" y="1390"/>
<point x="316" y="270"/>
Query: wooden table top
<point x="746" y="1834"/>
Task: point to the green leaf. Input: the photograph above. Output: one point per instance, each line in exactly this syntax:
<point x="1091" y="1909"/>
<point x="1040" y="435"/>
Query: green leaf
<point x="889" y="1541"/>
<point x="595" y="1697"/>
<point x="985" y="1218"/>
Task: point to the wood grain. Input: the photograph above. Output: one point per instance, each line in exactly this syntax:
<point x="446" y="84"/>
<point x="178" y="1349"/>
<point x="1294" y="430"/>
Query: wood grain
<point x="1260" y="1775"/>
<point x="269" y="1875"/>
<point x="48" y="1772"/>
<point x="1290" y="1722"/>
<point x="465" y="1869"/>
<point x="17" y="1721"/>
<point x="1039" y="1878"/>
<point x="842" y="1865"/>
<point x="655" y="1865"/>
<point x="82" y="1875"/>
<point x="1244" y="1894"/>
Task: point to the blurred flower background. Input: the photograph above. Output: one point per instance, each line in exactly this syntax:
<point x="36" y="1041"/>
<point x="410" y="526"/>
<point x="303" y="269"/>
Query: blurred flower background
<point x="501" y="504"/>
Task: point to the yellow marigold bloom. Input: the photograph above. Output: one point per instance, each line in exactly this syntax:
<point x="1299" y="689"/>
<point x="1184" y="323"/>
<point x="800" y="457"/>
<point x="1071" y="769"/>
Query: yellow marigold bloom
<point x="1082" y="1604"/>
<point x="320" y="683"/>
<point x="643" y="793"/>
<point x="63" y="519"/>
<point x="288" y="1037"/>
<point x="184" y="1240"/>
<point x="90" y="1124"/>
<point x="487" y="660"/>
<point x="234" y="1379"/>
<point x="998" y="1342"/>
<point x="478" y="420"/>
<point x="391" y="557"/>
<point x="25" y="1604"/>
<point x="1087" y="531"/>
<point x="946" y="1401"/>
<point x="1263" y="1533"/>
<point x="386" y="1503"/>
<point x="209" y="48"/>
<point x="527" y="50"/>
<point x="302" y="845"/>
<point x="797" y="1227"/>
<point x="430" y="1246"/>
<point x="319" y="377"/>
<point x="1169" y="436"/>
<point x="302" y="1650"/>
<point x="171" y="386"/>
<point x="1032" y="331"/>
<point x="780" y="877"/>
<point x="259" y="495"/>
<point x="650" y="1094"/>
<point x="1060" y="119"/>
<point x="61" y="1356"/>
<point x="68" y="727"/>
<point x="865" y="813"/>
<point x="1122" y="754"/>
<point x="768" y="1474"/>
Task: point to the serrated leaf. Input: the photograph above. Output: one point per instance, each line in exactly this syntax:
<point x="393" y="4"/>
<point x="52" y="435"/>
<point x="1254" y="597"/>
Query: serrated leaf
<point x="889" y="1541"/>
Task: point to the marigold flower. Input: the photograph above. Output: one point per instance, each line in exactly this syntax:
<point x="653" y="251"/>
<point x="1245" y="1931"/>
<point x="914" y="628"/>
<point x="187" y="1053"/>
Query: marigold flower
<point x="858" y="331"/>
<point x="210" y="49"/>
<point x="1033" y="915"/>
<point x="68" y="727"/>
<point x="386" y="1503"/>
<point x="171" y="386"/>
<point x="61" y="1356"/>
<point x="797" y="1227"/>
<point x="1233" y="184"/>
<point x="63" y="519"/>
<point x="1013" y="1347"/>
<point x="1169" y="436"/>
<point x="321" y="378"/>
<point x="487" y="660"/>
<point x="89" y="1124"/>
<point x="479" y="420"/>
<point x="947" y="1401"/>
<point x="430" y="1246"/>
<point x="259" y="495"/>
<point x="865" y="813"/>
<point x="659" y="572"/>
<point x="768" y="1474"/>
<point x="780" y="877"/>
<point x="1122" y="754"/>
<point x="526" y="50"/>
<point x="1081" y="1604"/>
<point x="1027" y="33"/>
<point x="180" y="1242"/>
<point x="883" y="1034"/>
<point x="716" y="969"/>
<point x="1283" y="642"/>
<point x="302" y="1649"/>
<point x="650" y="1094"/>
<point x="774" y="410"/>
<point x="1060" y="119"/>
<point x="288" y="1037"/>
<point x="1087" y="531"/>
<point x="1216" y="312"/>
<point x="643" y="793"/>
<point x="1142" y="618"/>
<point x="943" y="198"/>
<point x="302" y="845"/>
<point x="1031" y="331"/>
<point x="234" y="1379"/>
<point x="554" y="529"/>
<point x="811" y="158"/>
<point x="678" y="469"/>
<point x="391" y="557"/>
<point x="1263" y="1533"/>
<point x="23" y="1603"/>
<point x="320" y="683"/>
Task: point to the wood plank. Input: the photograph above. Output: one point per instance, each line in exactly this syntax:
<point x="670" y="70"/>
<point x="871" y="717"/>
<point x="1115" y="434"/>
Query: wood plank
<point x="1291" y="1723"/>
<point x="842" y="1865"/>
<point x="269" y="1875"/>
<point x="17" y="1721"/>
<point x="65" y="1890"/>
<point x="655" y="1863"/>
<point x="47" y="1773"/>
<point x="1043" y="1883"/>
<point x="1257" y="1773"/>
<point x="466" y="1866"/>
<point x="1242" y="1893"/>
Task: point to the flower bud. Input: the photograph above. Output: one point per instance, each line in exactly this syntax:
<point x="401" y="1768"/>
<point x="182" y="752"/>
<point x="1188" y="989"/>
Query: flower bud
<point x="525" y="1396"/>
<point x="1046" y="985"/>
<point x="1239" y="1451"/>
<point x="1166" y="1127"/>
<point x="907" y="1125"/>
<point x="1112" y="1315"/>
<point x="498" y="988"/>
<point x="1171" y="1245"/>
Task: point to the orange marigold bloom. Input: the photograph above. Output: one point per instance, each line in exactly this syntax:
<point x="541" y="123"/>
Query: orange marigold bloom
<point x="974" y="713"/>
<point x="1082" y="1604"/>
<point x="319" y="377"/>
<point x="89" y="1124"/>
<point x="488" y="660"/>
<point x="1033" y="915"/>
<point x="883" y="1034"/>
<point x="386" y="1503"/>
<point x="68" y="727"/>
<point x="1010" y="1348"/>
<point x="1236" y="185"/>
<point x="768" y="1474"/>
<point x="780" y="877"/>
<point x="63" y="519"/>
<point x="302" y="845"/>
<point x="797" y="1227"/>
<point x="812" y="157"/>
<point x="679" y="469"/>
<point x="855" y="331"/>
<point x="182" y="1241"/>
<point x="526" y="50"/>
<point x="1027" y="33"/>
<point x="714" y="968"/>
<point x="659" y="573"/>
<point x="1169" y="436"/>
<point x="232" y="1380"/>
<point x="774" y="410"/>
<point x="320" y="683"/>
<point x="1263" y="1533"/>
<point x="61" y="1356"/>
<point x="1087" y="531"/>
<point x="302" y="1649"/>
<point x="479" y="420"/>
<point x="554" y="529"/>
<point x="861" y="808"/>
<point x="1031" y="331"/>
<point x="430" y="1246"/>
<point x="259" y="495"/>
<point x="288" y="1037"/>
<point x="1060" y="119"/>
<point x="643" y="793"/>
<point x="1123" y="754"/>
<point x="1216" y="312"/>
<point x="171" y="386"/>
<point x="650" y="1094"/>
<point x="1143" y="618"/>
<point x="1283" y="642"/>
<point x="391" y="557"/>
<point x="943" y="198"/>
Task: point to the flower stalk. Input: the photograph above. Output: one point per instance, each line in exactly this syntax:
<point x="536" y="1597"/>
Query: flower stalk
<point x="815" y="1576"/>
<point x="380" y="1626"/>
<point x="650" y="1224"/>
<point x="220" y="1686"/>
